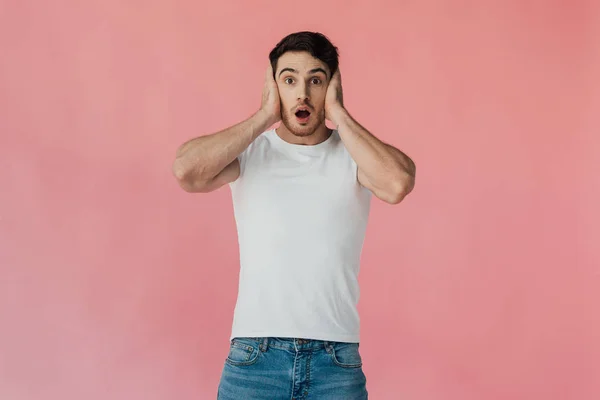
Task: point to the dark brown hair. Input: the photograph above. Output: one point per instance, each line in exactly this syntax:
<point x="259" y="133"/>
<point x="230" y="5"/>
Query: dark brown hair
<point x="315" y="43"/>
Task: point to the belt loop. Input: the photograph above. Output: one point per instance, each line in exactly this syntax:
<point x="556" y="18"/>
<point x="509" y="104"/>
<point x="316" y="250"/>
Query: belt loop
<point x="264" y="345"/>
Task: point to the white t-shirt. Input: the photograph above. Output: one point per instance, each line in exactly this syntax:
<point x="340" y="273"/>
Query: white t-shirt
<point x="301" y="217"/>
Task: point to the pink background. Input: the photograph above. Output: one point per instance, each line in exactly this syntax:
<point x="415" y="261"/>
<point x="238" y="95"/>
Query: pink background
<point x="483" y="284"/>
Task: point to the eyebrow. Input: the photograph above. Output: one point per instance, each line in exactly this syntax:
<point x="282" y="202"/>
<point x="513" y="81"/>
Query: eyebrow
<point x="312" y="71"/>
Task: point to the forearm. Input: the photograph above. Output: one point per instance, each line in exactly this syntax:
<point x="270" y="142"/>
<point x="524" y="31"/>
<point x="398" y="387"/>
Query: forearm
<point x="203" y="158"/>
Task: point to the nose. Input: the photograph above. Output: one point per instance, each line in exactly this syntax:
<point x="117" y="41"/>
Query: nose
<point x="303" y="92"/>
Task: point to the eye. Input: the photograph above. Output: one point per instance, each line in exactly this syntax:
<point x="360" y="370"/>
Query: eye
<point x="288" y="80"/>
<point x="315" y="81"/>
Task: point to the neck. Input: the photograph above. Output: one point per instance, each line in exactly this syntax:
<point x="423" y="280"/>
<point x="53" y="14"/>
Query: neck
<point x="320" y="135"/>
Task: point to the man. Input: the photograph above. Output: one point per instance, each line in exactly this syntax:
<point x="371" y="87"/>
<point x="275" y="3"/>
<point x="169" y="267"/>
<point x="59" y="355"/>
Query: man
<point x="301" y="196"/>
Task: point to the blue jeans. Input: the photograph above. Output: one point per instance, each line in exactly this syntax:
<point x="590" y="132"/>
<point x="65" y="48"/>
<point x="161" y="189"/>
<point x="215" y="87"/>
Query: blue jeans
<point x="269" y="368"/>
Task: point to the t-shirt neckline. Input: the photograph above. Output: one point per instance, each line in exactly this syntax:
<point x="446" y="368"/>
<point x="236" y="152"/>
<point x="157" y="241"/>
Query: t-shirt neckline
<point x="311" y="148"/>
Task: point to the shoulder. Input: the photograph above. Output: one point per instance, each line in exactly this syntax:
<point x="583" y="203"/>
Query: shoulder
<point x="255" y="151"/>
<point x="262" y="141"/>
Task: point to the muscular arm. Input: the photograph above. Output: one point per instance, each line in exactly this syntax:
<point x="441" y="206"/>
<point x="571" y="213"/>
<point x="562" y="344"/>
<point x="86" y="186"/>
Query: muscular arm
<point x="382" y="168"/>
<point x="208" y="162"/>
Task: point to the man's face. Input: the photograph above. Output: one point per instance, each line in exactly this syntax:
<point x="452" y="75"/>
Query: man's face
<point x="302" y="81"/>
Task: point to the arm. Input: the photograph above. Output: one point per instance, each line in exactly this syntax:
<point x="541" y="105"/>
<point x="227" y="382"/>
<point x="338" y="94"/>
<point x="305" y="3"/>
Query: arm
<point x="382" y="168"/>
<point x="208" y="162"/>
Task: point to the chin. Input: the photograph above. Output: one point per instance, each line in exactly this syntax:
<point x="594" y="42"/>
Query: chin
<point x="301" y="130"/>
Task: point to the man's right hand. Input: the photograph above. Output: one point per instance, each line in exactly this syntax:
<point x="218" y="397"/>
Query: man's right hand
<point x="271" y="106"/>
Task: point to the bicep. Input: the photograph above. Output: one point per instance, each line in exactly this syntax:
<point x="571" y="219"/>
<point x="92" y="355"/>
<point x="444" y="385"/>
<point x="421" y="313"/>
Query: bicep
<point x="380" y="193"/>
<point x="229" y="174"/>
<point x="363" y="180"/>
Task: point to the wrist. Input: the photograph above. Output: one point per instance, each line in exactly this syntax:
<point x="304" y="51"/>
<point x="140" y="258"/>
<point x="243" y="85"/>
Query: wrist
<point x="265" y="118"/>
<point x="337" y="114"/>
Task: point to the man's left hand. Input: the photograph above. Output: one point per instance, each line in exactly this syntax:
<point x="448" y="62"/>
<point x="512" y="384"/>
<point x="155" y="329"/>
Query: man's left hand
<point x="334" y="101"/>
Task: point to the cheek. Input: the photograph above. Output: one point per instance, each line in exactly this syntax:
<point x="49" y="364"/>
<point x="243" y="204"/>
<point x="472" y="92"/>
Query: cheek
<point x="287" y="98"/>
<point x="319" y="102"/>
<point x="318" y="95"/>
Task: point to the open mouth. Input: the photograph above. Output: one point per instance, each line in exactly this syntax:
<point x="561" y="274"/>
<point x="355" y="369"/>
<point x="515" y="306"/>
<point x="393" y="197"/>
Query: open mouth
<point x="302" y="115"/>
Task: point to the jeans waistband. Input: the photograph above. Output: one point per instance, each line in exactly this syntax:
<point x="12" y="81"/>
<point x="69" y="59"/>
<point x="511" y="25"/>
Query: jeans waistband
<point x="284" y="343"/>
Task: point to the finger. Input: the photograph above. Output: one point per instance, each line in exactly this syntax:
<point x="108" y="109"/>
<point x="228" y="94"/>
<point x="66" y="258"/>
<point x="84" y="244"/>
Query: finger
<point x="335" y="77"/>
<point x="270" y="73"/>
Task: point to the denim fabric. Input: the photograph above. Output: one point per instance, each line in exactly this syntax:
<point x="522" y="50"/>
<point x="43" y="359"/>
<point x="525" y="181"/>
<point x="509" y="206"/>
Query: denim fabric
<point x="292" y="369"/>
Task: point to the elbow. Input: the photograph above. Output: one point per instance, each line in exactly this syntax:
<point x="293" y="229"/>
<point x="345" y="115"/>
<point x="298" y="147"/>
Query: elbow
<point x="182" y="175"/>
<point x="180" y="171"/>
<point x="395" y="197"/>
<point x="400" y="188"/>
<point x="403" y="182"/>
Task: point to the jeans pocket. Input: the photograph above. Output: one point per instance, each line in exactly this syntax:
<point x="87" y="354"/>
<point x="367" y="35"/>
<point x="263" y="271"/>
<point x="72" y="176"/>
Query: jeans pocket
<point x="346" y="355"/>
<point x="242" y="353"/>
